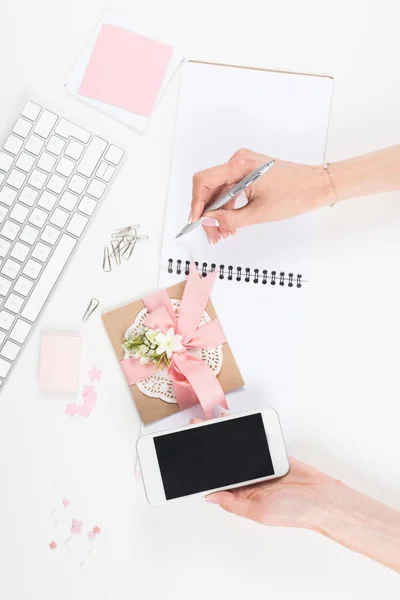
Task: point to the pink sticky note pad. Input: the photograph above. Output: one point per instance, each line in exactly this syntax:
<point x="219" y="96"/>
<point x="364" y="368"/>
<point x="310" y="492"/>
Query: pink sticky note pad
<point x="59" y="366"/>
<point x="126" y="70"/>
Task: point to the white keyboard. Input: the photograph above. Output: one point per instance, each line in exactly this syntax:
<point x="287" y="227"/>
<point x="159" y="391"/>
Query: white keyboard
<point x="53" y="174"/>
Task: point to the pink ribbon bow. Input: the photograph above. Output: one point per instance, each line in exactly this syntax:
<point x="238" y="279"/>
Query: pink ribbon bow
<point x="192" y="380"/>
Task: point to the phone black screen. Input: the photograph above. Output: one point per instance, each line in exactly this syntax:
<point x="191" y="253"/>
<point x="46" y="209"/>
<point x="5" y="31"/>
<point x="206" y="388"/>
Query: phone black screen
<point x="216" y="455"/>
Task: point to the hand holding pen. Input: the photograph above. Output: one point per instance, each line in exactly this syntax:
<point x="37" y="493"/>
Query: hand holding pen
<point x="287" y="190"/>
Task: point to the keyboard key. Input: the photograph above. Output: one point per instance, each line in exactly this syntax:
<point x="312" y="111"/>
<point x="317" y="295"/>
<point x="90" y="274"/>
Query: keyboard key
<point x="102" y="169"/>
<point x="20" y="331"/>
<point x="3" y="212"/>
<point x="16" y="179"/>
<point x="65" y="166"/>
<point x="47" y="200"/>
<point x="10" y="350"/>
<point x="7" y="195"/>
<point x="5" y="161"/>
<point x="114" y="154"/>
<point x="28" y="196"/>
<point x="68" y="200"/>
<point x="50" y="234"/>
<point x="11" y="268"/>
<point x="49" y="276"/>
<point x="46" y="162"/>
<point x="38" y="217"/>
<point x="13" y="144"/>
<point x="45" y="124"/>
<point x="4" y="286"/>
<point x="2" y="336"/>
<point x="23" y="286"/>
<point x="87" y="205"/>
<point x="109" y="173"/>
<point x="4" y="367"/>
<point x="29" y="234"/>
<point x="19" y="212"/>
<point x="92" y="156"/>
<point x="96" y="188"/>
<point x="14" y="303"/>
<point x="59" y="218"/>
<point x="4" y="247"/>
<point x="10" y="230"/>
<point x="19" y="251"/>
<point x="56" y="183"/>
<point x="55" y="145"/>
<point x="41" y="252"/>
<point x="77" y="224"/>
<point x="2" y="178"/>
<point x="25" y="162"/>
<point x="22" y="127"/>
<point x="31" y="110"/>
<point x="34" y="145"/>
<point x="66" y="129"/>
<point x="6" y="320"/>
<point x="37" y="179"/>
<point x="32" y="269"/>
<point x="77" y="184"/>
<point x="74" y="149"/>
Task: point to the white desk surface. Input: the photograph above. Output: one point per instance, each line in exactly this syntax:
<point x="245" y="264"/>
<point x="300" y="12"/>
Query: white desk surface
<point x="347" y="412"/>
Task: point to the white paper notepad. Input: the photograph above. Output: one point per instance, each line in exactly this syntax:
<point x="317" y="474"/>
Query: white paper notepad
<point x="222" y="109"/>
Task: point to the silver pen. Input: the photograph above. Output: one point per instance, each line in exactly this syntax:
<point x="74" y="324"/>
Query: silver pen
<point x="230" y="194"/>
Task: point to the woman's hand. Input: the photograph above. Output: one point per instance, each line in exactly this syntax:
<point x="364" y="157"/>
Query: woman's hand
<point x="286" y="190"/>
<point x="300" y="499"/>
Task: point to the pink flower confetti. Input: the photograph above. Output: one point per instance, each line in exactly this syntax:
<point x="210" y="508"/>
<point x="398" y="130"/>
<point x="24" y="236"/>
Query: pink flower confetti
<point x="53" y="545"/>
<point x="66" y="502"/>
<point x="89" y="400"/>
<point x="96" y="529"/>
<point x="71" y="409"/>
<point x="95" y="374"/>
<point x="91" y="536"/>
<point x="76" y="526"/>
<point x="89" y="390"/>
<point x="84" y="411"/>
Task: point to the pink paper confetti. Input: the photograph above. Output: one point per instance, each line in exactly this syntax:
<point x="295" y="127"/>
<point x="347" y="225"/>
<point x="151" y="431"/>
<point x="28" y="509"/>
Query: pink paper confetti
<point x="89" y="390"/>
<point x="89" y="400"/>
<point x="71" y="409"/>
<point x="95" y="374"/>
<point x="84" y="411"/>
<point x="91" y="536"/>
<point x="66" y="502"/>
<point x="53" y="545"/>
<point x="76" y="526"/>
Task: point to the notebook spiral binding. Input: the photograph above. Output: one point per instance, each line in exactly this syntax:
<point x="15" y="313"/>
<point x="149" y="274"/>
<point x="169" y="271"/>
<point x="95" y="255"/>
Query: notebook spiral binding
<point x="238" y="274"/>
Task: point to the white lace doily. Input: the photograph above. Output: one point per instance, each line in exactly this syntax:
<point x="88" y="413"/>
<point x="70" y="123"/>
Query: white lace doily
<point x="159" y="385"/>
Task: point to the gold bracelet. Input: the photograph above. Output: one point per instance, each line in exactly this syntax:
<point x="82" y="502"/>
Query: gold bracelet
<point x="327" y="168"/>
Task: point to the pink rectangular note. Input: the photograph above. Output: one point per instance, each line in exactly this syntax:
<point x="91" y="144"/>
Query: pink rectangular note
<point x="60" y="357"/>
<point x="126" y="70"/>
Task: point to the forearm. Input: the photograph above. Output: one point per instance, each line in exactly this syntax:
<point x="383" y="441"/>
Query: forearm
<point x="363" y="525"/>
<point x="368" y="174"/>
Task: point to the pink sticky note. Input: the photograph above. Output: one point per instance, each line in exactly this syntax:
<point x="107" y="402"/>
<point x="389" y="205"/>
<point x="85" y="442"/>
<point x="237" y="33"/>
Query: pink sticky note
<point x="126" y="70"/>
<point x="59" y="363"/>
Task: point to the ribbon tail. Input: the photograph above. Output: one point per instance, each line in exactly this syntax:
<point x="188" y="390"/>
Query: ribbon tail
<point x="202" y="381"/>
<point x="194" y="301"/>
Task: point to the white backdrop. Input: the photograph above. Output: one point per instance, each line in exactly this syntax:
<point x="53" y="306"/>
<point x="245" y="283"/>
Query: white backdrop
<point x="347" y="411"/>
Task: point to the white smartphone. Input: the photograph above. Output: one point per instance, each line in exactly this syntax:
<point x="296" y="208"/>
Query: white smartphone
<point x="214" y="455"/>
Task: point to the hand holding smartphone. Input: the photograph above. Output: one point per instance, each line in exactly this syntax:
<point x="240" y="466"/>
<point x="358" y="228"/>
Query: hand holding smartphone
<point x="211" y="456"/>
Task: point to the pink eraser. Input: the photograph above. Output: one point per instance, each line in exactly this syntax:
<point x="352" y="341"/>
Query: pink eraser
<point x="60" y="356"/>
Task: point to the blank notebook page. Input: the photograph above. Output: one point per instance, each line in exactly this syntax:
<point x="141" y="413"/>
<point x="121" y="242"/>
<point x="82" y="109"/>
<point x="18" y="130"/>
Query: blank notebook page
<point x="222" y="109"/>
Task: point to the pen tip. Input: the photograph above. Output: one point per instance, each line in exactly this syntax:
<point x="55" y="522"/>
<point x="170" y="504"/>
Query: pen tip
<point x="179" y="235"/>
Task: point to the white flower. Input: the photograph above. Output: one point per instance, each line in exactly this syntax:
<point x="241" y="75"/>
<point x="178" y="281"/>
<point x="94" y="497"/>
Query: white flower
<point x="169" y="342"/>
<point x="142" y="354"/>
<point x="151" y="335"/>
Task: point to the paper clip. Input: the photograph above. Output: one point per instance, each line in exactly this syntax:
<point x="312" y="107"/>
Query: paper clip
<point x="93" y="304"/>
<point x="116" y="251"/>
<point x="106" y="260"/>
<point x="127" y="253"/>
<point x="124" y="230"/>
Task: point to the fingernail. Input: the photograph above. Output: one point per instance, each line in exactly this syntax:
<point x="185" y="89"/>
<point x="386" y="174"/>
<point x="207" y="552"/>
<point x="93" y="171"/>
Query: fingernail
<point x="210" y="241"/>
<point x="209" y="222"/>
<point x="190" y="217"/>
<point x="210" y="501"/>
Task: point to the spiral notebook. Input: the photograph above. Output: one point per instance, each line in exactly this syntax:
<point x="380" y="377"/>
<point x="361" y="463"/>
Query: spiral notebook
<point x="265" y="271"/>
